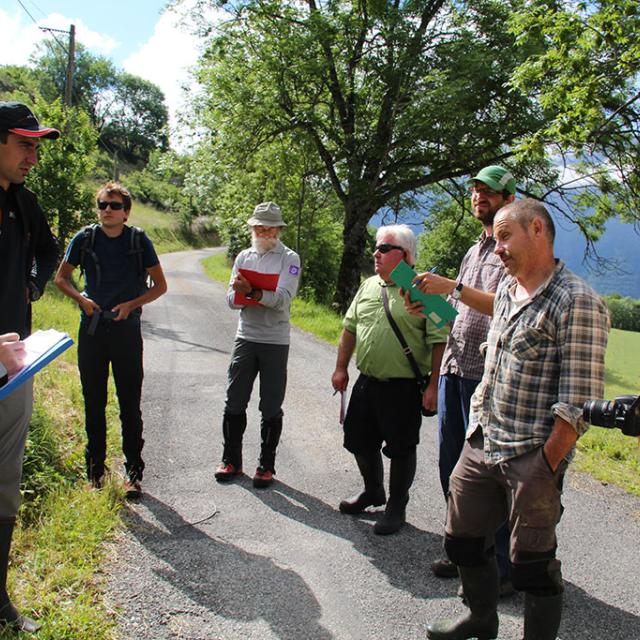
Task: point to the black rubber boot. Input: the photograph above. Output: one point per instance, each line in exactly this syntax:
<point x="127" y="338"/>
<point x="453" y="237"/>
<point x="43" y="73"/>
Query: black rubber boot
<point x="270" y="431"/>
<point x="542" y="616"/>
<point x="481" y="591"/>
<point x="372" y="471"/>
<point x="401" y="477"/>
<point x="233" y="428"/>
<point x="8" y="614"/>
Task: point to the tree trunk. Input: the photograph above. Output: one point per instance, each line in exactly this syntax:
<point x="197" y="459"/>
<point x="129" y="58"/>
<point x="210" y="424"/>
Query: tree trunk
<point x="354" y="238"/>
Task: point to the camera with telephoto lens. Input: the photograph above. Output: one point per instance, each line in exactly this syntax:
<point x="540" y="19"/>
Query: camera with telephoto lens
<point x="622" y="413"/>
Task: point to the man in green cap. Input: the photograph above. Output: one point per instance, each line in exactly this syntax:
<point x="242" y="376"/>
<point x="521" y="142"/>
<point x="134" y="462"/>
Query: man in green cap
<point x="462" y="364"/>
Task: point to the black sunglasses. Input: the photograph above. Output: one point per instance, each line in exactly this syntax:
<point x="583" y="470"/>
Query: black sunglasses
<point x="115" y="206"/>
<point x="385" y="247"/>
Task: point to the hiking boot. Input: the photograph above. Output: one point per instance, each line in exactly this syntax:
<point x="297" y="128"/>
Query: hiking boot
<point x="444" y="568"/>
<point x="132" y="489"/>
<point x="263" y="478"/>
<point x="11" y="618"/>
<point x="226" y="471"/>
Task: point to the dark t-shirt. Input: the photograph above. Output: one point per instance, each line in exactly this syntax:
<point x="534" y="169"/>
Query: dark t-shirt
<point x="119" y="277"/>
<point x="13" y="251"/>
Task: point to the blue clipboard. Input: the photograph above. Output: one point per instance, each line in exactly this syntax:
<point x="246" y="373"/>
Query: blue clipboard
<point x="436" y="308"/>
<point x="57" y="343"/>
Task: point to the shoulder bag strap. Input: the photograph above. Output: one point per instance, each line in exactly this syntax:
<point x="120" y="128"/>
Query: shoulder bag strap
<point x="405" y="347"/>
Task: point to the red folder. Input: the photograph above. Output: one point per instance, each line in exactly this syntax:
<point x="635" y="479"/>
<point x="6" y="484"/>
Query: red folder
<point x="266" y="281"/>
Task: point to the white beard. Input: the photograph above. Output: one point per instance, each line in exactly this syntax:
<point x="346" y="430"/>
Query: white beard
<point x="263" y="245"/>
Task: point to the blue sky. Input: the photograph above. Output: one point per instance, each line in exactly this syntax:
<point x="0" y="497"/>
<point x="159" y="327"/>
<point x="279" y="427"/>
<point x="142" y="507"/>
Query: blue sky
<point x="137" y="35"/>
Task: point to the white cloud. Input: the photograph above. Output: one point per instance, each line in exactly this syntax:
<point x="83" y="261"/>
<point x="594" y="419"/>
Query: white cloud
<point x="20" y="36"/>
<point x="165" y="60"/>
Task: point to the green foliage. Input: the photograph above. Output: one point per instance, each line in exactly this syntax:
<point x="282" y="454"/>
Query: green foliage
<point x="624" y="312"/>
<point x="137" y="121"/>
<point x="18" y="83"/>
<point x="60" y="177"/>
<point x="449" y="231"/>
<point x="396" y="97"/>
<point x="285" y="173"/>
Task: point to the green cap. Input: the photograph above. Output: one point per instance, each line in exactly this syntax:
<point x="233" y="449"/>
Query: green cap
<point x="497" y="178"/>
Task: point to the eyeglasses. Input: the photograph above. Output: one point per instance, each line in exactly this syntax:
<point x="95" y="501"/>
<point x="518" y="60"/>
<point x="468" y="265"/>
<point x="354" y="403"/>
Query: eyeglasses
<point x="385" y="247"/>
<point x="485" y="191"/>
<point x="115" y="206"/>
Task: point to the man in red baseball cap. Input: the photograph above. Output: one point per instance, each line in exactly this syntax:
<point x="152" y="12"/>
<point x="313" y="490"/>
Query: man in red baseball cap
<point x="28" y="256"/>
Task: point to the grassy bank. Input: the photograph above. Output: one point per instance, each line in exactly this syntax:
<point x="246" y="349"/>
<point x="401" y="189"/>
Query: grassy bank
<point x="604" y="453"/>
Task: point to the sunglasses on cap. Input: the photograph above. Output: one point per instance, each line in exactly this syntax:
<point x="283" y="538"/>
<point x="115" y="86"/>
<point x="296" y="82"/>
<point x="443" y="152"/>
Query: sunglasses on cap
<point x="385" y="247"/>
<point x="115" y="206"/>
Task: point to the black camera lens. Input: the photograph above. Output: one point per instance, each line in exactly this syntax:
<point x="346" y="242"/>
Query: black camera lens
<point x="600" y="412"/>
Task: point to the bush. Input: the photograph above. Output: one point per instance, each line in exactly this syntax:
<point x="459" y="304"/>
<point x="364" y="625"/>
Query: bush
<point x="625" y="312"/>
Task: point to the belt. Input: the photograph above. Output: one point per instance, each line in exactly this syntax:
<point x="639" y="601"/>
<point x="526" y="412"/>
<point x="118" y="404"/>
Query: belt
<point x="96" y="317"/>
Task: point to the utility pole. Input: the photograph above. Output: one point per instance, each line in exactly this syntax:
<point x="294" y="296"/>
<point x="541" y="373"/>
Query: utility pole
<point x="71" y="66"/>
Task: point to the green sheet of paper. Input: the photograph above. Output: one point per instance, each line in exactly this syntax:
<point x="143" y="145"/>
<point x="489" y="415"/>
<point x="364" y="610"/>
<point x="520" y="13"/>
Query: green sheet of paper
<point x="436" y="308"/>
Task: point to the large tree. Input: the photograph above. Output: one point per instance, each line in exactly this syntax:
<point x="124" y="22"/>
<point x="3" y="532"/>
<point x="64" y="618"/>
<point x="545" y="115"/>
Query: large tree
<point x="399" y="96"/>
<point x="128" y="111"/>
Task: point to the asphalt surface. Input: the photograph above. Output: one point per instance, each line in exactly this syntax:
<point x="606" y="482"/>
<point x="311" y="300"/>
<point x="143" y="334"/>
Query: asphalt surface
<point x="200" y="560"/>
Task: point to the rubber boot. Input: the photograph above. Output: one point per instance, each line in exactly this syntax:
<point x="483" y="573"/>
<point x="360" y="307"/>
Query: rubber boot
<point x="401" y="477"/>
<point x="270" y="431"/>
<point x="542" y="616"/>
<point x="8" y="614"/>
<point x="372" y="471"/>
<point x="481" y="591"/>
<point x="233" y="428"/>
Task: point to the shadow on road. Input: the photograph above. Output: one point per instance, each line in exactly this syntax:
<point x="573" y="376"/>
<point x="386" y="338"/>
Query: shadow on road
<point x="225" y="579"/>
<point x="153" y="332"/>
<point x="405" y="558"/>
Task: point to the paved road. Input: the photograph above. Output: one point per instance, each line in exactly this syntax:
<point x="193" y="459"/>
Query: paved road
<point x="201" y="560"/>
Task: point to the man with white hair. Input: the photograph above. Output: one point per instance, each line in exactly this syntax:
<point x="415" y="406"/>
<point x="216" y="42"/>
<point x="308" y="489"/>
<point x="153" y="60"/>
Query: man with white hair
<point x="263" y="282"/>
<point x="387" y="398"/>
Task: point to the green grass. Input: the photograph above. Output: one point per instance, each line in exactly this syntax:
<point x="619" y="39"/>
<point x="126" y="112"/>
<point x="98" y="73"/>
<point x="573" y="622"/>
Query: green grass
<point x="606" y="454"/>
<point x="308" y="316"/>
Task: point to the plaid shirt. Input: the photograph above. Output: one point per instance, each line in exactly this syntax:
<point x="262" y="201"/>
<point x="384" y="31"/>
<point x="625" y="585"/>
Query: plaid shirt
<point x="544" y="361"/>
<point x="482" y="269"/>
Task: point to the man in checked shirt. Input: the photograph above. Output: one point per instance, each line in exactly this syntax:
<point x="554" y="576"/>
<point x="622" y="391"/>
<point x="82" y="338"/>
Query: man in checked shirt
<point x="544" y="359"/>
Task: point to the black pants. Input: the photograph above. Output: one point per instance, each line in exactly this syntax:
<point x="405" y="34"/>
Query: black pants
<point x="118" y="344"/>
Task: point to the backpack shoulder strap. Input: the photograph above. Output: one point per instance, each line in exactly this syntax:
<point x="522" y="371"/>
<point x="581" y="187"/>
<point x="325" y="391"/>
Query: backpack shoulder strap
<point x="86" y="249"/>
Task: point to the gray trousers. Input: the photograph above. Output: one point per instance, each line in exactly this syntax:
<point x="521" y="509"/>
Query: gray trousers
<point x="15" y="415"/>
<point x="249" y="359"/>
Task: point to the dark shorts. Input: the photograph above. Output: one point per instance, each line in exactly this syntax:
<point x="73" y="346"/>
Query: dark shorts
<point x="383" y="411"/>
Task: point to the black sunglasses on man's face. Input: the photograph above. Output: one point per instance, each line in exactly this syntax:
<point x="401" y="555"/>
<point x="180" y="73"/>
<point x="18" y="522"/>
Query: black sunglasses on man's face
<point x="115" y="206"/>
<point x="385" y="247"/>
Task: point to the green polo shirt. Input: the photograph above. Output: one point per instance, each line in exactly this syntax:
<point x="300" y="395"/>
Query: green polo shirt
<point x="378" y="350"/>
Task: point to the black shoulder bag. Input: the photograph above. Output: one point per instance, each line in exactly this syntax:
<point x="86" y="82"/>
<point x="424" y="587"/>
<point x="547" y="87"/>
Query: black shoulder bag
<point x="422" y="381"/>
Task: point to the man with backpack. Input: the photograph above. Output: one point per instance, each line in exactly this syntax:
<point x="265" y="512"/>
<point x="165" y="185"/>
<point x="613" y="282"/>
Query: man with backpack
<point x="116" y="260"/>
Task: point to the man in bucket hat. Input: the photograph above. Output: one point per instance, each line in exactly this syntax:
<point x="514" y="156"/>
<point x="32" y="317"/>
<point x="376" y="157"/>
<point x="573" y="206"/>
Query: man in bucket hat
<point x="263" y="282"/>
<point x="28" y="255"/>
<point x="462" y="364"/>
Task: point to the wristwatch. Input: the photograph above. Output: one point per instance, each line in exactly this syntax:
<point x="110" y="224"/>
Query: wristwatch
<point x="251" y="293"/>
<point x="457" y="292"/>
<point x="4" y="375"/>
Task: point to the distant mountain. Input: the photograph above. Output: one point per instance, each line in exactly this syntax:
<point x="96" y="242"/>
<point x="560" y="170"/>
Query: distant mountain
<point x="620" y="244"/>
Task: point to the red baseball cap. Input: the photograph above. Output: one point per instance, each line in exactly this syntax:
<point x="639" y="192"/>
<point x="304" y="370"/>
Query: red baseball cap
<point x="19" y="119"/>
